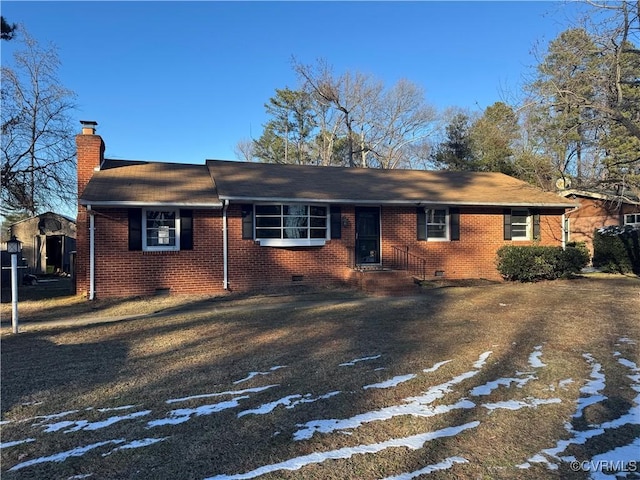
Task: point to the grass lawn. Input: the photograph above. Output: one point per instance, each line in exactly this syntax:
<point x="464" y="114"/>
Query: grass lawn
<point x="496" y="381"/>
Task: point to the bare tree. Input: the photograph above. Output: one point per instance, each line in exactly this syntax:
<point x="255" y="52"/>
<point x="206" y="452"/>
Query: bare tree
<point x="244" y="150"/>
<point x="377" y="127"/>
<point x="38" y="151"/>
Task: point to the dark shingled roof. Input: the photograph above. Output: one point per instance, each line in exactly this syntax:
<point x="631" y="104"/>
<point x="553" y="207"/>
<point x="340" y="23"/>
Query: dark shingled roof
<point x="243" y="181"/>
<point x="126" y="182"/>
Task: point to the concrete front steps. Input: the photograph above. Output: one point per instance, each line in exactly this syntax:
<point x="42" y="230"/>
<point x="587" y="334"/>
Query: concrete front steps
<point x="384" y="282"/>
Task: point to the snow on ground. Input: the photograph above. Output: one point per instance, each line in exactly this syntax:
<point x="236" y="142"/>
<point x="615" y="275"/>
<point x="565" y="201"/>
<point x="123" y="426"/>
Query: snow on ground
<point x="255" y="374"/>
<point x="351" y="363"/>
<point x="591" y="394"/>
<point x="416" y="405"/>
<point x="413" y="442"/>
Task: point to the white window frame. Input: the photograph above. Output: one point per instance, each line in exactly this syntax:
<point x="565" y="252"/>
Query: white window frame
<point x="635" y="222"/>
<point x="161" y="248"/>
<point x="428" y="215"/>
<point x="292" y="242"/>
<point x="528" y="233"/>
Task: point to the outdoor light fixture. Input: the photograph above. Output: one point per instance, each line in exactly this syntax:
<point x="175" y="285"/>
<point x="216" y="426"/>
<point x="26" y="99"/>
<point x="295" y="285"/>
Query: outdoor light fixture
<point x="14" y="246"/>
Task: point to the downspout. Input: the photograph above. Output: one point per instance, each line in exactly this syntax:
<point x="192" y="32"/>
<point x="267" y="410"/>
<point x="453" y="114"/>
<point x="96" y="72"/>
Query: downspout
<point x="564" y="223"/>
<point x="92" y="254"/>
<point x="225" y="246"/>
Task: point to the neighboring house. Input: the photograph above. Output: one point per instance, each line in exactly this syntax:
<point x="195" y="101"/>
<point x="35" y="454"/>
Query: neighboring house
<point x="597" y="210"/>
<point x="147" y="227"/>
<point x="47" y="242"/>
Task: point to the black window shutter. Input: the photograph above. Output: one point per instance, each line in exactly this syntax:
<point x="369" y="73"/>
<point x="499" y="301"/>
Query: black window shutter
<point x="336" y="221"/>
<point x="135" y="229"/>
<point x="507" y="223"/>
<point x="186" y="229"/>
<point x="247" y="222"/>
<point x="422" y="223"/>
<point x="454" y="223"/>
<point x="536" y="224"/>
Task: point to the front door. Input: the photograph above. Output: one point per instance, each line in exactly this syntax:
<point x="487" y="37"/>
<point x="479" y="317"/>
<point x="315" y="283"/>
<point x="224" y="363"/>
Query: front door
<point x="368" y="236"/>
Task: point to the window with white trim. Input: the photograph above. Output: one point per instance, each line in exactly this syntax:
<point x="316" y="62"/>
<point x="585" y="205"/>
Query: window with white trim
<point x="632" y="219"/>
<point x="160" y="230"/>
<point x="291" y="224"/>
<point x="520" y="224"/>
<point x="437" y="224"/>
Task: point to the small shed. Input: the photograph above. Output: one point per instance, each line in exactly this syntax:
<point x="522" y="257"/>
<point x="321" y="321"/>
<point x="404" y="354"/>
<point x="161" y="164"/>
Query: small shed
<point x="47" y="242"/>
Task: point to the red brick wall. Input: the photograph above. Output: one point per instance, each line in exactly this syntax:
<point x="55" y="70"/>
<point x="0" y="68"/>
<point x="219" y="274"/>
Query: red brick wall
<point x="594" y="214"/>
<point x="474" y="255"/>
<point x="120" y="272"/>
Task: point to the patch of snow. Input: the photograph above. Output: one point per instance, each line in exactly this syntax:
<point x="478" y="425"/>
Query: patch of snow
<point x="144" y="442"/>
<point x="182" y="415"/>
<point x="392" y="382"/>
<point x="79" y="476"/>
<point x="524" y="466"/>
<point x="86" y="425"/>
<point x="16" y="442"/>
<point x="489" y="387"/>
<point x="413" y="408"/>
<point x="269" y="407"/>
<point x="435" y="367"/>
<point x="219" y="394"/>
<point x="62" y="456"/>
<point x="534" y="358"/>
<point x="413" y="442"/>
<point x="565" y="382"/>
<point x="618" y="457"/>
<point x="45" y="418"/>
<point x="351" y="363"/>
<point x="111" y="409"/>
<point x="518" y="404"/>
<point x="446" y="464"/>
<point x="626" y="340"/>
<point x="255" y="374"/>
<point x="592" y="388"/>
<point x="416" y="406"/>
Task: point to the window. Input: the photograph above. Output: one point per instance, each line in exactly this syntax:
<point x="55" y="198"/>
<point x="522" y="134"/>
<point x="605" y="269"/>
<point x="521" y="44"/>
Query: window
<point x="438" y="224"/>
<point x="160" y="230"/>
<point x="632" y="219"/>
<point x="291" y="224"/>
<point x="521" y="224"/>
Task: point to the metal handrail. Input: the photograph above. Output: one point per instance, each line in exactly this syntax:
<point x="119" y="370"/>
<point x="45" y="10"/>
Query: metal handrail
<point x="415" y="265"/>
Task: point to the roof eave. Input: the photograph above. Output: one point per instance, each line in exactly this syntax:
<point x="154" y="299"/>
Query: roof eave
<point x="129" y="204"/>
<point x="418" y="203"/>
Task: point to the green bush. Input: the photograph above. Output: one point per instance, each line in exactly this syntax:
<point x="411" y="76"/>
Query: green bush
<point x="533" y="263"/>
<point x="617" y="250"/>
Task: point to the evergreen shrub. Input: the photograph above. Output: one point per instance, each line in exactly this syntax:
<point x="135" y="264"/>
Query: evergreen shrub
<point x="534" y="263"/>
<point x="617" y="249"/>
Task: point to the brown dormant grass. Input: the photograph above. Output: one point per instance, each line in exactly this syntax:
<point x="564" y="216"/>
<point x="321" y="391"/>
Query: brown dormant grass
<point x="207" y="347"/>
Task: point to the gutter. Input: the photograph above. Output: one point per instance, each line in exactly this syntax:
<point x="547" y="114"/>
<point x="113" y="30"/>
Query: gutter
<point x="225" y="246"/>
<point x="92" y="254"/>
<point x="115" y="203"/>
<point x="407" y="203"/>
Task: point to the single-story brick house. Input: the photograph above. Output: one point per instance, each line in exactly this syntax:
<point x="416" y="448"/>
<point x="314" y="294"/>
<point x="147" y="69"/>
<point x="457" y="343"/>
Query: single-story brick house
<point x="148" y="227"/>
<point x="599" y="209"/>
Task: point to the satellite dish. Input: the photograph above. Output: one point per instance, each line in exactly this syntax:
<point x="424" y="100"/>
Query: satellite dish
<point x="563" y="183"/>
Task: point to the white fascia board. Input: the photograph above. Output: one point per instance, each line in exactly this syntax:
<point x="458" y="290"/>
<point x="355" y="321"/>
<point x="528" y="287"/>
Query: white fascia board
<point x="108" y="203"/>
<point x="408" y="203"/>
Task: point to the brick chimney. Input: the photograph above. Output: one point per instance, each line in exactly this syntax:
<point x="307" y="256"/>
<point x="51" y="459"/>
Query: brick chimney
<point x="90" y="156"/>
<point x="90" y="153"/>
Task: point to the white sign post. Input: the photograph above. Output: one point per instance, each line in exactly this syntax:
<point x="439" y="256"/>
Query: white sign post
<point x="14" y="248"/>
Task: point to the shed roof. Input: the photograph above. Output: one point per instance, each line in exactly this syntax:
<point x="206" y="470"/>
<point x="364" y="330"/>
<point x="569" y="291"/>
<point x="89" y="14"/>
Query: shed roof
<point x="136" y="183"/>
<point x="243" y="181"/>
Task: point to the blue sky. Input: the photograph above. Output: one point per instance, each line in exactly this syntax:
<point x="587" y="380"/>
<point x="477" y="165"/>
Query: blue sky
<point x="185" y="81"/>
